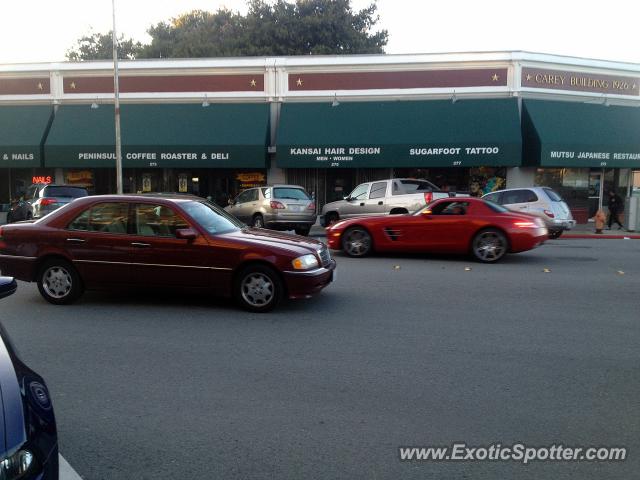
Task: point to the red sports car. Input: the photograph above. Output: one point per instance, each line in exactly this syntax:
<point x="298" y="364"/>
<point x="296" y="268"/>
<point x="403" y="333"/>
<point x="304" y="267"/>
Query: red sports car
<point x="452" y="225"/>
<point x="160" y="242"/>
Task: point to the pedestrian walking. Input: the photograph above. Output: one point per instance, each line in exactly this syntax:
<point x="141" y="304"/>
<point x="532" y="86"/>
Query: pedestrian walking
<point x="615" y="208"/>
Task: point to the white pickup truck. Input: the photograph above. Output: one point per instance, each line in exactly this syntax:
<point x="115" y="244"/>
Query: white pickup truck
<point x="383" y="197"/>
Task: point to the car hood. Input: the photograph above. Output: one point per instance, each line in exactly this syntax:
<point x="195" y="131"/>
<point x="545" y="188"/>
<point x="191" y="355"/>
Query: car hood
<point x="292" y="243"/>
<point x="335" y="206"/>
<point x="12" y="419"/>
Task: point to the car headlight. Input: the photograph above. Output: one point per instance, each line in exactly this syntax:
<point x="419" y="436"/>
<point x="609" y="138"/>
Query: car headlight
<point x="305" y="262"/>
<point x="16" y="465"/>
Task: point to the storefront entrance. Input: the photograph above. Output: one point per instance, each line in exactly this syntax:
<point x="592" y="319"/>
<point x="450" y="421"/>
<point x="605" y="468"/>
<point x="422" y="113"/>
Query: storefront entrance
<point x="596" y="190"/>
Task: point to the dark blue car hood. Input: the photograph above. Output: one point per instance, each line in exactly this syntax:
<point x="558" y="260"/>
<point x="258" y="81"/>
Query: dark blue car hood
<point x="12" y="418"/>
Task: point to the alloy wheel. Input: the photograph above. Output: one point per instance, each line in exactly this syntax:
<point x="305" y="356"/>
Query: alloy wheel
<point x="257" y="289"/>
<point x="489" y="246"/>
<point x="57" y="282"/>
<point x="357" y="242"/>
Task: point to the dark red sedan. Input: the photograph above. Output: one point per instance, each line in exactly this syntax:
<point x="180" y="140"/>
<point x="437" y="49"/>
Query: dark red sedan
<point x="452" y="225"/>
<point x="158" y="242"/>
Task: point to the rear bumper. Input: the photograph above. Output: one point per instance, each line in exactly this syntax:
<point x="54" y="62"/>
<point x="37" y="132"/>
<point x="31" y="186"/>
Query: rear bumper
<point x="21" y="268"/>
<point x="306" y="284"/>
<point x="560" y="225"/>
<point x="289" y="222"/>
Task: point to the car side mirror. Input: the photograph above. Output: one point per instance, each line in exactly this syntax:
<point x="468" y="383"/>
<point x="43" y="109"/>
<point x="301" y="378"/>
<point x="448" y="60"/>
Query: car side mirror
<point x="230" y="201"/>
<point x="186" y="234"/>
<point x="8" y="286"/>
<point x="347" y="198"/>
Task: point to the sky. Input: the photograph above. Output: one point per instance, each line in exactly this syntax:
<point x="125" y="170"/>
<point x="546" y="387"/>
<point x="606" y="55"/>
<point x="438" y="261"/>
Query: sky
<point x="43" y="30"/>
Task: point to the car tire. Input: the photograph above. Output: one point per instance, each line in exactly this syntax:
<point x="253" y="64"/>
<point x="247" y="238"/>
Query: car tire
<point x="257" y="221"/>
<point x="331" y="218"/>
<point x="555" y="234"/>
<point x="357" y="242"/>
<point x="258" y="288"/>
<point x="489" y="246"/>
<point x="303" y="231"/>
<point x="59" y="282"/>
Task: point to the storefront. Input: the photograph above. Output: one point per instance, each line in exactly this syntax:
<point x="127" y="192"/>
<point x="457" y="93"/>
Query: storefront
<point x="187" y="148"/>
<point x="22" y="133"/>
<point x="581" y="150"/>
<point x="462" y="145"/>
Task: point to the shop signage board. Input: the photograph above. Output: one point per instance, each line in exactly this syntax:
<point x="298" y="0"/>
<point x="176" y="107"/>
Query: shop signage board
<point x="577" y="134"/>
<point x="580" y="81"/>
<point x="399" y="156"/>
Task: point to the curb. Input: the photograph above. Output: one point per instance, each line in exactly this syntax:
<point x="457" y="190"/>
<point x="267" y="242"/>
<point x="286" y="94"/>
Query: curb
<point x="600" y="236"/>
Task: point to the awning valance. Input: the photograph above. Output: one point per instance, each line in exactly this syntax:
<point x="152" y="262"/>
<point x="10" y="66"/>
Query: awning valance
<point x="437" y="133"/>
<point x="571" y="134"/>
<point x="22" y="131"/>
<point x="169" y="135"/>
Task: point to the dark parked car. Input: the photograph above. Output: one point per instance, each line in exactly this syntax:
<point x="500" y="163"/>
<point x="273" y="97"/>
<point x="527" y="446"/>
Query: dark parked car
<point x="41" y="199"/>
<point x="29" y="441"/>
<point x="453" y="225"/>
<point x="161" y="242"/>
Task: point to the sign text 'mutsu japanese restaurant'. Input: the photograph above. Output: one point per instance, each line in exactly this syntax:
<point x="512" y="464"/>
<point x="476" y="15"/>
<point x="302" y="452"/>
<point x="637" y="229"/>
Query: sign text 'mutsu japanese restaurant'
<point x="399" y="156"/>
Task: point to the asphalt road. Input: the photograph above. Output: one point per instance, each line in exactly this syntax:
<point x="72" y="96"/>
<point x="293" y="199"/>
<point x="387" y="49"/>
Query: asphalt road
<point x="400" y="350"/>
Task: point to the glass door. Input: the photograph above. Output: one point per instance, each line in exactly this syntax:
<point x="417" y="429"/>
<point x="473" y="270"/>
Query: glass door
<point x="596" y="186"/>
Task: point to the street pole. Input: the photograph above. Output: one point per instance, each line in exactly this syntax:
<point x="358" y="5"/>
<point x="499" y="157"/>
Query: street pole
<point x="116" y="91"/>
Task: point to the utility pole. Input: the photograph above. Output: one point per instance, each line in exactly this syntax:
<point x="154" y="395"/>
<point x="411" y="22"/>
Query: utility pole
<point x="116" y="91"/>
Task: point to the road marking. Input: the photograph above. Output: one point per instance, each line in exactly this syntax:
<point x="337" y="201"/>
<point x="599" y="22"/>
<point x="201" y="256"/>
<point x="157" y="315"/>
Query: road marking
<point x="66" y="471"/>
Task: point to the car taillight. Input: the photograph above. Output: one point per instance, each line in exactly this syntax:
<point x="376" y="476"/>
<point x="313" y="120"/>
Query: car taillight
<point x="524" y="224"/>
<point x="47" y="201"/>
<point x="312" y="206"/>
<point x="549" y="213"/>
<point x="428" y="196"/>
<point x="277" y="205"/>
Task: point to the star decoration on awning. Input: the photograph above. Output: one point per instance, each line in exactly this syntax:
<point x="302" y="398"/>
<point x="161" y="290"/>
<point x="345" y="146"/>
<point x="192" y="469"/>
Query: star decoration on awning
<point x="253" y="82"/>
<point x="73" y="85"/>
<point x="495" y="77"/>
<point x="528" y="77"/>
<point x="299" y="82"/>
<point x="40" y="87"/>
<point x="634" y="86"/>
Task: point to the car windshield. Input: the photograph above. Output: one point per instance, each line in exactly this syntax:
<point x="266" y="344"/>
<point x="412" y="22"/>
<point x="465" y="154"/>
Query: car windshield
<point x="290" y="193"/>
<point x="212" y="218"/>
<point x="73" y="192"/>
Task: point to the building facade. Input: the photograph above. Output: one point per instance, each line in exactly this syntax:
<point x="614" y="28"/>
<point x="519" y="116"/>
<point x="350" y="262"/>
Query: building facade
<point x="472" y="122"/>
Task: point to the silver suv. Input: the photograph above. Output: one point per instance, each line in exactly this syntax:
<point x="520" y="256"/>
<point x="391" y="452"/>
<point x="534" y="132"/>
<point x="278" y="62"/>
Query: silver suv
<point x="542" y="202"/>
<point x="41" y="199"/>
<point x="279" y="207"/>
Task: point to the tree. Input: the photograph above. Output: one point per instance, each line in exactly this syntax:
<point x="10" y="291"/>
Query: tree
<point x="306" y="27"/>
<point x="99" y="46"/>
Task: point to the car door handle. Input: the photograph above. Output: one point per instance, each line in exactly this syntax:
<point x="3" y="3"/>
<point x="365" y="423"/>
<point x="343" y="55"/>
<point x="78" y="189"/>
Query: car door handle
<point x="76" y="240"/>
<point x="362" y="204"/>
<point x="140" y="245"/>
<point x="380" y="203"/>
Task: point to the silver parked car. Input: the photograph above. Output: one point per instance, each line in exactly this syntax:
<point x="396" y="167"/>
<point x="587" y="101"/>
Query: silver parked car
<point x="278" y="207"/>
<point x="542" y="202"/>
<point x="43" y="198"/>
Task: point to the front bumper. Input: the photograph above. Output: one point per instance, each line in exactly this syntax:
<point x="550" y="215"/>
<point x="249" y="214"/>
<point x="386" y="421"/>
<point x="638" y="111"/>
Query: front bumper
<point x="304" y="284"/>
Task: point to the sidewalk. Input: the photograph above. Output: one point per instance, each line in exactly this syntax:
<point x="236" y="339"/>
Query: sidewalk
<point x="585" y="230"/>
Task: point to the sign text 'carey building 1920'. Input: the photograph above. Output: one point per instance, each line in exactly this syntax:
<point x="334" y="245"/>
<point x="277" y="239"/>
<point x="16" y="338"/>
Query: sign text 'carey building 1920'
<point x="580" y="81"/>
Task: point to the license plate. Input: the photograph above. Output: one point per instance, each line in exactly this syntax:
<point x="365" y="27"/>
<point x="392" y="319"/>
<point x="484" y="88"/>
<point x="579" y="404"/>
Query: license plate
<point x="295" y="208"/>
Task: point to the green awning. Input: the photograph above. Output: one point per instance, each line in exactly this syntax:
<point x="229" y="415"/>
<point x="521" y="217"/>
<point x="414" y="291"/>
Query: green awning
<point x="438" y="133"/>
<point x="169" y="135"/>
<point x="22" y="131"/>
<point x="568" y="134"/>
